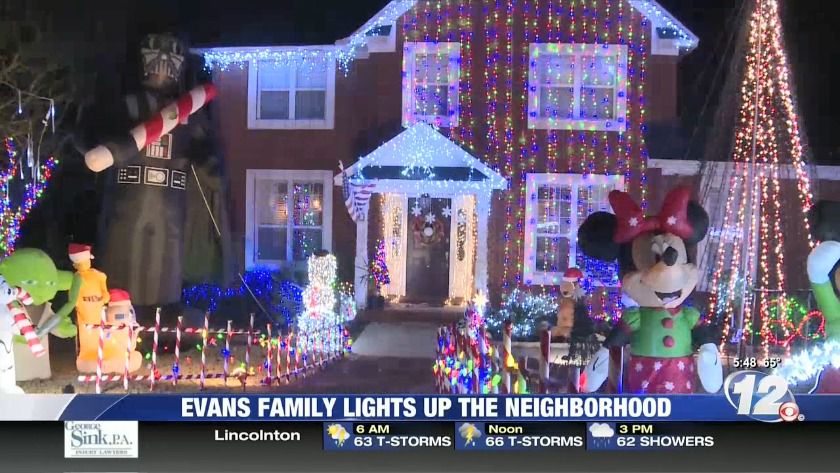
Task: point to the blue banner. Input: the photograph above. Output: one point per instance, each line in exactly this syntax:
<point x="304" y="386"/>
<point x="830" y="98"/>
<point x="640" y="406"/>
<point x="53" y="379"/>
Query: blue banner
<point x="201" y="407"/>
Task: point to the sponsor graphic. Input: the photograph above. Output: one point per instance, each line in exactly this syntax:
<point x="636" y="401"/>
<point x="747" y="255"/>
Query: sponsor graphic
<point x="113" y="439"/>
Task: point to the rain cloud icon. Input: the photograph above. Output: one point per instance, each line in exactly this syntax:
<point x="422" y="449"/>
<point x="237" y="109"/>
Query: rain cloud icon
<point x="601" y="430"/>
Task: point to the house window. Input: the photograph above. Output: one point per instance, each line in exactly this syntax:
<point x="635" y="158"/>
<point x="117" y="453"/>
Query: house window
<point x="296" y="96"/>
<point x="578" y="87"/>
<point x="289" y="215"/>
<point x="430" y="83"/>
<point x="557" y="205"/>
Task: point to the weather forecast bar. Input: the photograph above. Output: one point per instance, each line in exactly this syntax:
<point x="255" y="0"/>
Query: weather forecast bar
<point x="518" y="436"/>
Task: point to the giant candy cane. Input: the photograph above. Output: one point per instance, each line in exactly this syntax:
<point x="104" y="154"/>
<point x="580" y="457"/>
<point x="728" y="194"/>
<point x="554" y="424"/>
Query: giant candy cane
<point x="23" y="324"/>
<point x="103" y="156"/>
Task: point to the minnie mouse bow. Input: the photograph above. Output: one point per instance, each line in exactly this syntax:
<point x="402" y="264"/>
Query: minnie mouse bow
<point x="632" y="222"/>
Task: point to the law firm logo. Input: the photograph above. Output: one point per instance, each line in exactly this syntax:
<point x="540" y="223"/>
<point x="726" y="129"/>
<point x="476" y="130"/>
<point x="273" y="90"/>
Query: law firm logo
<point x="118" y="439"/>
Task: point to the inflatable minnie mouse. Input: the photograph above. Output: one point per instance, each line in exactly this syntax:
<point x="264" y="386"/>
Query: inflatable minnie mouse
<point x="654" y="256"/>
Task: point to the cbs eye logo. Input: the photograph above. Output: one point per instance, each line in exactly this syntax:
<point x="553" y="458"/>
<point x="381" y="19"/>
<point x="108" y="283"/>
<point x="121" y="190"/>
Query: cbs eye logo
<point x="761" y="396"/>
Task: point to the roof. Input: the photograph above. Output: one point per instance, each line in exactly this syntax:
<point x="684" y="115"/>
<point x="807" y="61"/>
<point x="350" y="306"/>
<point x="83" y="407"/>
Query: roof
<point x="421" y="153"/>
<point x="344" y="50"/>
<point x="665" y="23"/>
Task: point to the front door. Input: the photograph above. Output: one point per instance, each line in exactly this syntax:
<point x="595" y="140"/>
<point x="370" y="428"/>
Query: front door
<point x="427" y="260"/>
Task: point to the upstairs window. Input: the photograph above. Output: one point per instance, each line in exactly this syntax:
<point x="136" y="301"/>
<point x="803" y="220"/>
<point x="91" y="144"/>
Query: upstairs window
<point x="291" y="95"/>
<point x="578" y="87"/>
<point x="430" y="83"/>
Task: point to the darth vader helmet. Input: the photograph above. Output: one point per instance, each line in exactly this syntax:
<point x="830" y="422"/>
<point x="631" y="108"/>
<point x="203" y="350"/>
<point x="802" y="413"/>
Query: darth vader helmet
<point x="163" y="55"/>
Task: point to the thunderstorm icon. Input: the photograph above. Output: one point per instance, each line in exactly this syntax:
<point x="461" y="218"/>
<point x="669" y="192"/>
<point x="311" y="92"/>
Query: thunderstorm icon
<point x="338" y="433"/>
<point x="469" y="432"/>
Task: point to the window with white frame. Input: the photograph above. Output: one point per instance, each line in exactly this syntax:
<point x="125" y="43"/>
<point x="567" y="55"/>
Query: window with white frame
<point x="289" y="215"/>
<point x="291" y="95"/>
<point x="430" y="83"/>
<point x="578" y="87"/>
<point x="557" y="204"/>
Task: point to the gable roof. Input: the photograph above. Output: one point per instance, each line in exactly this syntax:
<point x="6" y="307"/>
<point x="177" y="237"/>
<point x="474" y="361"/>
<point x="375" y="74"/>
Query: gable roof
<point x="345" y="49"/>
<point x="422" y="150"/>
<point x="664" y="23"/>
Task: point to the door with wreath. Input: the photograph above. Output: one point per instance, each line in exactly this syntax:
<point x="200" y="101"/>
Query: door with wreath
<point x="427" y="258"/>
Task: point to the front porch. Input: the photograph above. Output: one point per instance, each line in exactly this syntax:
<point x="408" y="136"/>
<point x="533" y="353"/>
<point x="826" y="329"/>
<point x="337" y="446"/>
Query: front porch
<point x="435" y="208"/>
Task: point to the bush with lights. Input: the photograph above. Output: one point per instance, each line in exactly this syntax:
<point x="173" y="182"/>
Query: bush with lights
<point x="527" y="312"/>
<point x="281" y="297"/>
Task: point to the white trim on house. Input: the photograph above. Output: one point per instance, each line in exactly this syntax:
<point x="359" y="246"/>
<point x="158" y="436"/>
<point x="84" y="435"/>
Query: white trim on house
<point x="617" y="123"/>
<point x="685" y="40"/>
<point x="257" y="123"/>
<point x="421" y="146"/>
<point x="452" y="80"/>
<point x="684" y="167"/>
<point x="290" y="177"/>
<point x="376" y="43"/>
<point x="533" y="183"/>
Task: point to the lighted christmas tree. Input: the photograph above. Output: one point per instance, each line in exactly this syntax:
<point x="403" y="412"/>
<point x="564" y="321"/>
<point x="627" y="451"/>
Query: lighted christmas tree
<point x="379" y="268"/>
<point x="749" y="262"/>
<point x="320" y="313"/>
<point x="319" y="298"/>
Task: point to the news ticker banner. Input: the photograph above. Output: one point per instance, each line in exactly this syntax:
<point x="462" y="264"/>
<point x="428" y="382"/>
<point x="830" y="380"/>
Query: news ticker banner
<point x="746" y="395"/>
<point x="590" y="408"/>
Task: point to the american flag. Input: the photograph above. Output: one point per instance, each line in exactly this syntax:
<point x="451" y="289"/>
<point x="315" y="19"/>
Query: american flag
<point x="356" y="196"/>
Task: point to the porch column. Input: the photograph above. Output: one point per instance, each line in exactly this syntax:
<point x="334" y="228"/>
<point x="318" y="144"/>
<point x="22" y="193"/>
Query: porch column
<point x="482" y="210"/>
<point x="360" y="281"/>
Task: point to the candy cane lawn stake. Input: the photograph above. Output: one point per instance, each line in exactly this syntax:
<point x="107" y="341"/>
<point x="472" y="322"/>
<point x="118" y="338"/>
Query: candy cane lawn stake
<point x="204" y="349"/>
<point x="103" y="156"/>
<point x="153" y="373"/>
<point x="279" y="354"/>
<point x="288" y="356"/>
<point x="177" y="366"/>
<point x="248" y="346"/>
<point x="100" y="354"/>
<point x="127" y="371"/>
<point x="268" y="356"/>
<point x="227" y="350"/>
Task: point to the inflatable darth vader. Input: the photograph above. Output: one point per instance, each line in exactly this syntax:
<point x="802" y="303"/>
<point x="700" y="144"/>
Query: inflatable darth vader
<point x="146" y="235"/>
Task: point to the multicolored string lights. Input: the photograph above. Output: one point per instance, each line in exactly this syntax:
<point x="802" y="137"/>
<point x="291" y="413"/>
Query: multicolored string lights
<point x="16" y="203"/>
<point x="533" y="122"/>
<point x="767" y="138"/>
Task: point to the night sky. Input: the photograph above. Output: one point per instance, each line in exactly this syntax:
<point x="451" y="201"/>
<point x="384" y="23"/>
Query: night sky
<point x="809" y="27"/>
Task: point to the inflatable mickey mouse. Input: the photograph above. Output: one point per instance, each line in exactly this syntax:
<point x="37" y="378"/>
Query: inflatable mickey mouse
<point x="654" y="256"/>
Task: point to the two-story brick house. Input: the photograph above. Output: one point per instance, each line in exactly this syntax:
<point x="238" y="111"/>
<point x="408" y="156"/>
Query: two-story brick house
<point x="485" y="131"/>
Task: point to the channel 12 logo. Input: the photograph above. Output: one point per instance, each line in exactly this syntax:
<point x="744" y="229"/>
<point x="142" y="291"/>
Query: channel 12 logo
<point x="761" y="396"/>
